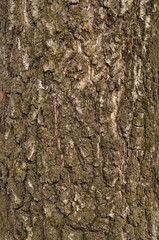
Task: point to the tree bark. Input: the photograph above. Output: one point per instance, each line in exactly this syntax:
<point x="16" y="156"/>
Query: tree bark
<point x="79" y="120"/>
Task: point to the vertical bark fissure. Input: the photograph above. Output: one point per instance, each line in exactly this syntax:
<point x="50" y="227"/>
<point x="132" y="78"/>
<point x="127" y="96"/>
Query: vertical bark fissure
<point x="56" y="112"/>
<point x="92" y="13"/>
<point x="90" y="77"/>
<point x="82" y="161"/>
<point x="13" y="220"/>
<point x="90" y="69"/>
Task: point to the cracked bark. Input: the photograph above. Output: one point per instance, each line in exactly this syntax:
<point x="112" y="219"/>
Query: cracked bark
<point x="79" y="120"/>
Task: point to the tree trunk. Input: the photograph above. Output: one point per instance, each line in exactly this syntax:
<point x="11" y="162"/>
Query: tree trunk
<point x="79" y="120"/>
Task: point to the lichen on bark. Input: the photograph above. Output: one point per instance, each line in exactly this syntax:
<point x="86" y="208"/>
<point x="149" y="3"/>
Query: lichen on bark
<point x="79" y="120"/>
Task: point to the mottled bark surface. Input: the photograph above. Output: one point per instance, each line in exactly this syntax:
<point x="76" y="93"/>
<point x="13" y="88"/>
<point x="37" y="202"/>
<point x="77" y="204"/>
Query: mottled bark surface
<point x="79" y="120"/>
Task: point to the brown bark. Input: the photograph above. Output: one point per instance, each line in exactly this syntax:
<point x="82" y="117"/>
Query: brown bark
<point x="79" y="127"/>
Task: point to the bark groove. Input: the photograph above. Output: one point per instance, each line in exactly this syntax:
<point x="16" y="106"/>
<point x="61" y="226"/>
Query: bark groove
<point x="79" y="120"/>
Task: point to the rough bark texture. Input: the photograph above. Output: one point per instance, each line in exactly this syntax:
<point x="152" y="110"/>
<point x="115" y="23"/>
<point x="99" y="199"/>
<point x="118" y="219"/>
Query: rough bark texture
<point x="79" y="120"/>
